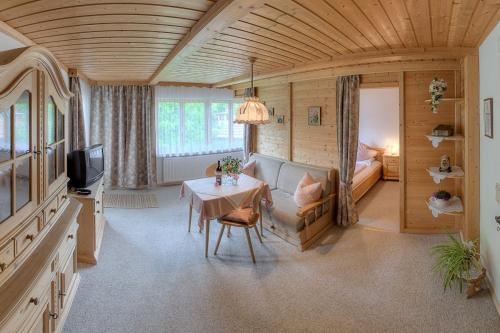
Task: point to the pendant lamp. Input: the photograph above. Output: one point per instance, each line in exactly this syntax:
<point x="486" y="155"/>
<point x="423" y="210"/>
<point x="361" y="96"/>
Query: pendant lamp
<point x="252" y="111"/>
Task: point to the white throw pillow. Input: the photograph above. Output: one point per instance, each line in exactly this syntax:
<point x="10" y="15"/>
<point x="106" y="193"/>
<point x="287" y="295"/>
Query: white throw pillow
<point x="249" y="169"/>
<point x="307" y="191"/>
<point x="365" y="153"/>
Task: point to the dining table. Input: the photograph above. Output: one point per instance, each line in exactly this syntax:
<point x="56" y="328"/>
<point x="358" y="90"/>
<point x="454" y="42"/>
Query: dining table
<point x="213" y="201"/>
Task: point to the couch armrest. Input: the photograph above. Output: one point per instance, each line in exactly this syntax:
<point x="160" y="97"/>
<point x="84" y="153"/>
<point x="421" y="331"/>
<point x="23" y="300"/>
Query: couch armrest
<point x="302" y="212"/>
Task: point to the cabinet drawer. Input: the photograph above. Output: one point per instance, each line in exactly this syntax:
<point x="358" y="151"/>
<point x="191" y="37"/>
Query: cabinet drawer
<point x="50" y="211"/>
<point x="36" y="299"/>
<point x="6" y="255"/>
<point x="69" y="242"/>
<point x="62" y="197"/>
<point x="393" y="168"/>
<point x="26" y="236"/>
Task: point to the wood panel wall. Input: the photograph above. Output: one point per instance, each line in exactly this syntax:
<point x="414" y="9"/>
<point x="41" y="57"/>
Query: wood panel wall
<point x="419" y="153"/>
<point x="274" y="139"/>
<point x="316" y="145"/>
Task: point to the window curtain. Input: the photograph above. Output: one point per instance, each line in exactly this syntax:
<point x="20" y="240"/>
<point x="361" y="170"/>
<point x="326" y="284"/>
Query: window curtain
<point x="76" y="111"/>
<point x="347" y="144"/>
<point x="122" y="119"/>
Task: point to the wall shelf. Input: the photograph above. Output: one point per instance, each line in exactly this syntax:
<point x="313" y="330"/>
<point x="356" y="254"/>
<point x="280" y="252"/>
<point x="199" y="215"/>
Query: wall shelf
<point x="436" y="140"/>
<point x="456" y="100"/>
<point x="438" y="176"/>
<point x="454" y="207"/>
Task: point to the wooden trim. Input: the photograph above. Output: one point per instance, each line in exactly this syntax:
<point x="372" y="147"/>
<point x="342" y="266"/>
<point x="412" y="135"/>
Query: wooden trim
<point x="183" y="84"/>
<point x="290" y="129"/>
<point x="471" y="148"/>
<point x="378" y="85"/>
<point x="219" y="17"/>
<point x="366" y="58"/>
<point x="489" y="28"/>
<point x="402" y="155"/>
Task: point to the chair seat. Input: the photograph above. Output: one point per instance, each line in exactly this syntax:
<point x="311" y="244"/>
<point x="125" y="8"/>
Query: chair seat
<point x="242" y="216"/>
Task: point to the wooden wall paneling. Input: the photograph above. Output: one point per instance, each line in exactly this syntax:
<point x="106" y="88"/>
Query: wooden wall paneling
<point x="402" y="152"/>
<point x="471" y="148"/>
<point x="273" y="138"/>
<point x="419" y="153"/>
<point x="316" y="145"/>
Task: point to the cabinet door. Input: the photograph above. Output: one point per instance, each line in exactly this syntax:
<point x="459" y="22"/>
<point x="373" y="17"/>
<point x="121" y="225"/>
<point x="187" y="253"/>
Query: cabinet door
<point x="67" y="278"/>
<point x="55" y="145"/>
<point x="18" y="155"/>
<point x="41" y="323"/>
<point x="54" y="303"/>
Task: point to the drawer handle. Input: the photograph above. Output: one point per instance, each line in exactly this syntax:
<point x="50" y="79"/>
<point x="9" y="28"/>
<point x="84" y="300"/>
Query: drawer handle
<point x="53" y="211"/>
<point x="30" y="237"/>
<point x="71" y="236"/>
<point x="53" y="315"/>
<point x="98" y="212"/>
<point x="62" y="293"/>
<point x="34" y="300"/>
<point x="65" y="197"/>
<point x="3" y="266"/>
<point x="97" y="202"/>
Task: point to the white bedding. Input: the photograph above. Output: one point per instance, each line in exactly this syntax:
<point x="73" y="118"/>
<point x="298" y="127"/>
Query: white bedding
<point x="365" y="171"/>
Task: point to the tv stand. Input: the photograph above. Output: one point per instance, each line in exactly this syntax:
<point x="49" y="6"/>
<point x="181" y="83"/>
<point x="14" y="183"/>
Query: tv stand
<point x="91" y="220"/>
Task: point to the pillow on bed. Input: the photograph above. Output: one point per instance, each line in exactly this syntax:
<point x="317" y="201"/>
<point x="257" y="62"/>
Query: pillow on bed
<point x="365" y="153"/>
<point x="307" y="191"/>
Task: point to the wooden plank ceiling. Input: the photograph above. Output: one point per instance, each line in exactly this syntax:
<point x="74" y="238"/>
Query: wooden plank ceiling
<point x="130" y="40"/>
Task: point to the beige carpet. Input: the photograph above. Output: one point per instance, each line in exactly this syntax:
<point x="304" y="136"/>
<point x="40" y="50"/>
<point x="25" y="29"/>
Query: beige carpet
<point x="379" y="207"/>
<point x="130" y="200"/>
<point x="152" y="276"/>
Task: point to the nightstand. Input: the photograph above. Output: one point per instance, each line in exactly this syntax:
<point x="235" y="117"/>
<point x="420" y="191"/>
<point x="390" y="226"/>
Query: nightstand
<point x="391" y="167"/>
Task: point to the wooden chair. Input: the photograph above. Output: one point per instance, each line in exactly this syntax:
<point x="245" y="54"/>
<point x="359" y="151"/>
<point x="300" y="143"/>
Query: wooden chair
<point x="246" y="218"/>
<point x="210" y="170"/>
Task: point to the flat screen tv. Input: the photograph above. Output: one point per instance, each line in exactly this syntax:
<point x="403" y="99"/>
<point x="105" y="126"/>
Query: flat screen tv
<point x="85" y="166"/>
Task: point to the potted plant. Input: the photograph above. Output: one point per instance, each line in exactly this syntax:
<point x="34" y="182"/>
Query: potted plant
<point x="441" y="198"/>
<point x="231" y="168"/>
<point x="437" y="89"/>
<point x="459" y="262"/>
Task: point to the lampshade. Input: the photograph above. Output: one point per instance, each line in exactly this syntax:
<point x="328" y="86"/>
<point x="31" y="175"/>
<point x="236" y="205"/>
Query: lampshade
<point x="252" y="112"/>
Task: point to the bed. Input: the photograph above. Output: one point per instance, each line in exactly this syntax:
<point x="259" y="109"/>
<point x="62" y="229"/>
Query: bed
<point x="367" y="175"/>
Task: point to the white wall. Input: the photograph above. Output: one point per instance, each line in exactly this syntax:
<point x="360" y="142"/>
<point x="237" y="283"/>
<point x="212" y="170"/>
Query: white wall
<point x="489" y="71"/>
<point x="8" y="43"/>
<point x="379" y="117"/>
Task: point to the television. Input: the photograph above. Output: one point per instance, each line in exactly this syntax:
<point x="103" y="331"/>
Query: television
<point x="85" y="166"/>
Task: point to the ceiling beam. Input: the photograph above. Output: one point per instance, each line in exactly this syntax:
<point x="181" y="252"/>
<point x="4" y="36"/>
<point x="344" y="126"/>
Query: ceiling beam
<point x="11" y="32"/>
<point x="396" y="55"/>
<point x="220" y="16"/>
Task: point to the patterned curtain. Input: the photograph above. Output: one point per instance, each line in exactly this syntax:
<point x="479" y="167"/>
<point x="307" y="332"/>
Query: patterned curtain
<point x="76" y="111"/>
<point x="347" y="144"/>
<point x="123" y="120"/>
<point x="248" y="142"/>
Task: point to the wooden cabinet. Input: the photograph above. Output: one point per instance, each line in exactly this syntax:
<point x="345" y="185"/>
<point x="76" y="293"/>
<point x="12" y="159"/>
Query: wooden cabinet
<point x="38" y="271"/>
<point x="91" y="220"/>
<point x="390" y="167"/>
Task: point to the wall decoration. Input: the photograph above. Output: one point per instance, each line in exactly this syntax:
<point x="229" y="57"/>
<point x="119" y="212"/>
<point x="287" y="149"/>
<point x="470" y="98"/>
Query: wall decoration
<point x="488" y="117"/>
<point x="314" y="116"/>
<point x="271" y="111"/>
<point x="280" y="119"/>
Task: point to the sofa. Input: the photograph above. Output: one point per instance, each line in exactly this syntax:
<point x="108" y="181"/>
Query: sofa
<point x="298" y="226"/>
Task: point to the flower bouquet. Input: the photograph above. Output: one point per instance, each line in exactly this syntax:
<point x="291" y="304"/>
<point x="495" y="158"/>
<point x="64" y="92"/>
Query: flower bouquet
<point x="437" y="89"/>
<point x="231" y="168"/>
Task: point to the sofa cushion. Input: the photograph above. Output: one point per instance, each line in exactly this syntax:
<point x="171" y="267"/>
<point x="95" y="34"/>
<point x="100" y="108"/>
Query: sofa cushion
<point x="307" y="191"/>
<point x="267" y="169"/>
<point x="249" y="168"/>
<point x="291" y="173"/>
<point x="284" y="211"/>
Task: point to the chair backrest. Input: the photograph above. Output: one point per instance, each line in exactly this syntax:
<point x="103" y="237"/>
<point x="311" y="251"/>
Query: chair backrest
<point x="210" y="170"/>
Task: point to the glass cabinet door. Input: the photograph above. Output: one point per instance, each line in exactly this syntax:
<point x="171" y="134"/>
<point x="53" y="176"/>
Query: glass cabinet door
<point x="55" y="144"/>
<point x="16" y="157"/>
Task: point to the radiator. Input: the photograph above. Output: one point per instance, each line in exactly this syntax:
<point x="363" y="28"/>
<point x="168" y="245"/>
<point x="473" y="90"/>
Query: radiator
<point x="177" y="169"/>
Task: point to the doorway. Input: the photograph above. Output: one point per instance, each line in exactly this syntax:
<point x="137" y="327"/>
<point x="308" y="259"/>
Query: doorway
<point x="379" y="121"/>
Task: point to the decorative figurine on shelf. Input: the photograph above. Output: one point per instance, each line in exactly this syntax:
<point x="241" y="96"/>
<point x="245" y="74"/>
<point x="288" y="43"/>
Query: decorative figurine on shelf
<point x="445" y="164"/>
<point x="441" y="198"/>
<point x="437" y="89"/>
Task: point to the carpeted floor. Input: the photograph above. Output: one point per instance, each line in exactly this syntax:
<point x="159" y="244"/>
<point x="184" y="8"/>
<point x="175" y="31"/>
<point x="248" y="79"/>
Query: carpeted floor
<point x="379" y="207"/>
<point x="152" y="276"/>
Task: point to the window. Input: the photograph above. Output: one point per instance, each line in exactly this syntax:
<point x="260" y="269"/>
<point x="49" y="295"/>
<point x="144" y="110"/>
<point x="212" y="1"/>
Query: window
<point x="195" y="126"/>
